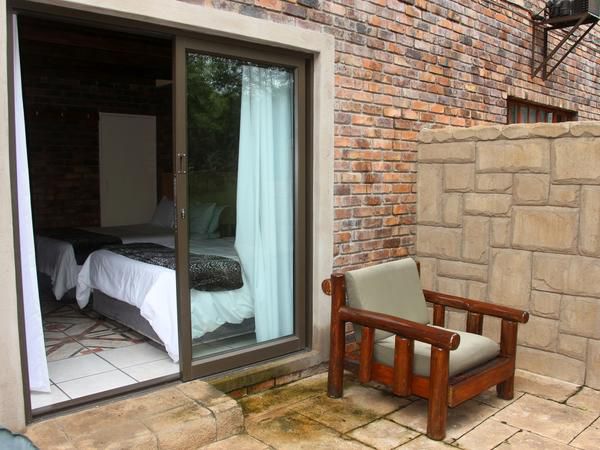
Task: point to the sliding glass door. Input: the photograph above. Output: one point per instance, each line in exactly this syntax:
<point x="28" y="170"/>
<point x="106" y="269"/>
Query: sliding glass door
<point x="240" y="195"/>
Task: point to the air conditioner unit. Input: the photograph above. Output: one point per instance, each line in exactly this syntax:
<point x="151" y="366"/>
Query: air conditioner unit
<point x="562" y="8"/>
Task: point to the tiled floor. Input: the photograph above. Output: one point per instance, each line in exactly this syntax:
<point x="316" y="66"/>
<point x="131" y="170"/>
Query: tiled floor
<point x="87" y="355"/>
<point x="98" y="372"/>
<point x="544" y="414"/>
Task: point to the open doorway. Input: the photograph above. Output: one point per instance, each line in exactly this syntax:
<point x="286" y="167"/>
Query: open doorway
<point x="144" y="250"/>
<point x="98" y="118"/>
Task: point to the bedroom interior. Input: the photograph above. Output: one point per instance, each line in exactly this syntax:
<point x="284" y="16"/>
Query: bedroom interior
<point x="105" y="222"/>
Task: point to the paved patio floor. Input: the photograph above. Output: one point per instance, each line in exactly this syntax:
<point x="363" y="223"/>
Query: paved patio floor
<point x="545" y="414"/>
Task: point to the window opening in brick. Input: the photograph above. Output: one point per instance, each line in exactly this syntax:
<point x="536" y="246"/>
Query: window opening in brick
<point x="520" y="111"/>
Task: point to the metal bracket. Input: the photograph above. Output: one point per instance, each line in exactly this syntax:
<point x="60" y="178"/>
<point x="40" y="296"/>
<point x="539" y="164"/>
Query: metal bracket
<point x="550" y="25"/>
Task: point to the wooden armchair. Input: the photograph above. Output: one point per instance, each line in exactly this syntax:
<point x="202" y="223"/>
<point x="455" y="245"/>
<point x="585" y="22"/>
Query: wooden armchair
<point x="398" y="347"/>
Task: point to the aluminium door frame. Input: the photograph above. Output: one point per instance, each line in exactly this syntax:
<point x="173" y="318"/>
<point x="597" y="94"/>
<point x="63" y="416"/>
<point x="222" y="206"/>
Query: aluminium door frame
<point x="298" y="341"/>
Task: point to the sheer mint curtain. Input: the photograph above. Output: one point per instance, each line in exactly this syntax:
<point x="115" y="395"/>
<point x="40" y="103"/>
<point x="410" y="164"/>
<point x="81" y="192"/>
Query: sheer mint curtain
<point x="36" y="352"/>
<point x="265" y="202"/>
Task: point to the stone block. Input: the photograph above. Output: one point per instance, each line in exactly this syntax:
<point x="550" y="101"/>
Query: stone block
<point x="452" y="210"/>
<point x="478" y="133"/>
<point x="545" y="304"/>
<point x="592" y="377"/>
<point x="229" y="418"/>
<point x="425" y="136"/>
<point x="510" y="277"/>
<point x="452" y="286"/>
<point x="539" y="333"/>
<point x="545" y="228"/>
<point x="589" y="224"/>
<point x="439" y="242"/>
<point x="576" y="161"/>
<point x="500" y="233"/>
<point x="516" y="131"/>
<point x="551" y="364"/>
<point x="573" y="346"/>
<point x="476" y="238"/>
<point x="428" y="272"/>
<point x="477" y="290"/>
<point x="487" y="204"/>
<point x="580" y="316"/>
<point x="587" y="128"/>
<point x="575" y="275"/>
<point x="459" y="177"/>
<point x="429" y="195"/>
<point x="531" y="189"/>
<point x="500" y="183"/>
<point x="456" y="152"/>
<point x="528" y="155"/>
<point x="549" y="130"/>
<point x="456" y="320"/>
<point x="183" y="427"/>
<point x="492" y="327"/>
<point x="564" y="195"/>
<point x="462" y="270"/>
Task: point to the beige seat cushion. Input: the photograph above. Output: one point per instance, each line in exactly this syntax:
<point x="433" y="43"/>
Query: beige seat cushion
<point x="392" y="288"/>
<point x="472" y="351"/>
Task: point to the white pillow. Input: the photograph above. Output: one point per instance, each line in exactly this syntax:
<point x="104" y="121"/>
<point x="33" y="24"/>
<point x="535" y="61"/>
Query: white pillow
<point x="213" y="227"/>
<point x="164" y="214"/>
<point x="200" y="216"/>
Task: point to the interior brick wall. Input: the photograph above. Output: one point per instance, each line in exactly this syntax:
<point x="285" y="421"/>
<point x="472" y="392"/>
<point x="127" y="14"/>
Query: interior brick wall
<point x="402" y="66"/>
<point x="70" y="74"/>
<point x="510" y="214"/>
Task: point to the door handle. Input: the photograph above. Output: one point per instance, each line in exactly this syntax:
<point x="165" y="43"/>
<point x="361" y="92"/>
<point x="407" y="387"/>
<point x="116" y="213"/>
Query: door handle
<point x="181" y="163"/>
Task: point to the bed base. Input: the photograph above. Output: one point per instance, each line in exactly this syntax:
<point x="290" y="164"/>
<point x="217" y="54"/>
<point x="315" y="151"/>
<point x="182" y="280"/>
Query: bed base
<point x="130" y="316"/>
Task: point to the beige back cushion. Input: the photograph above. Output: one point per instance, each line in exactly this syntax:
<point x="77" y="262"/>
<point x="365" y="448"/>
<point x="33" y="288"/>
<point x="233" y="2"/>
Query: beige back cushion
<point x="390" y="288"/>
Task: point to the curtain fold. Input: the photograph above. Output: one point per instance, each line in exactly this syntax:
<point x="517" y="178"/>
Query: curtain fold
<point x="265" y="202"/>
<point x="36" y="351"/>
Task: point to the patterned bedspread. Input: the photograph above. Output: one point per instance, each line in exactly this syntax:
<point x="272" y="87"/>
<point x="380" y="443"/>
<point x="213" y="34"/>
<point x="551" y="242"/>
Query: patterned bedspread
<point x="207" y="272"/>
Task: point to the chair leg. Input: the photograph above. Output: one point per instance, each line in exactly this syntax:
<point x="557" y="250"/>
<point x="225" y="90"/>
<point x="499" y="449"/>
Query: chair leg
<point x="508" y="347"/>
<point x="335" y="377"/>
<point x="337" y="336"/>
<point x="506" y="389"/>
<point x="437" y="408"/>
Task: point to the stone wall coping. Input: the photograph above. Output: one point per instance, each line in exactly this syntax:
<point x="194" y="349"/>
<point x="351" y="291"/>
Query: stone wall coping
<point x="512" y="131"/>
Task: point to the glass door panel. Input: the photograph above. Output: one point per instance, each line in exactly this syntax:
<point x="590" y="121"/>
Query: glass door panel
<point x="239" y="178"/>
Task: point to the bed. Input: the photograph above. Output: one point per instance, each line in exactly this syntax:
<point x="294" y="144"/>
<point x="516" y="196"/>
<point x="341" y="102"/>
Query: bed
<point x="58" y="259"/>
<point x="151" y="290"/>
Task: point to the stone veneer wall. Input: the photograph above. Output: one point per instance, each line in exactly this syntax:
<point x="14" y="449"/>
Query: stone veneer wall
<point x="511" y="214"/>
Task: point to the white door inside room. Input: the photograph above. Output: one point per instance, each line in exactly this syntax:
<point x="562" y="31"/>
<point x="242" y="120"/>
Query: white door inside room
<point x="127" y="168"/>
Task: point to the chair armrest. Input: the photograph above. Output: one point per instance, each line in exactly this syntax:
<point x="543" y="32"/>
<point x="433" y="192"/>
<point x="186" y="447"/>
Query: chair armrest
<point x="447" y="340"/>
<point x="476" y="306"/>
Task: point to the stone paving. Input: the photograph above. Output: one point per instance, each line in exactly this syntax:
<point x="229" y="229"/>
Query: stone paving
<point x="544" y="414"/>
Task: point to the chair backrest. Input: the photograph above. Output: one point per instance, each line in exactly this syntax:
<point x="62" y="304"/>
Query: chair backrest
<point x="392" y="288"/>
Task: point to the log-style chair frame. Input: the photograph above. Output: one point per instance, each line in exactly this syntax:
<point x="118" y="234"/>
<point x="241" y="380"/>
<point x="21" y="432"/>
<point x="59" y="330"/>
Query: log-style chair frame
<point x="441" y="390"/>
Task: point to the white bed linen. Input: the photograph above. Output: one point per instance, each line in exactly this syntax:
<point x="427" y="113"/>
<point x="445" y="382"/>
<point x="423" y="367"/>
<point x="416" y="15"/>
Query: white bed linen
<point x="56" y="258"/>
<point x="152" y="289"/>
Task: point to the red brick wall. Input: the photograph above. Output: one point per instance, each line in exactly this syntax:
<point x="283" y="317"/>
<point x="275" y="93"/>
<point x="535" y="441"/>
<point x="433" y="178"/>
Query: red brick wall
<point x="405" y="65"/>
<point x="70" y="74"/>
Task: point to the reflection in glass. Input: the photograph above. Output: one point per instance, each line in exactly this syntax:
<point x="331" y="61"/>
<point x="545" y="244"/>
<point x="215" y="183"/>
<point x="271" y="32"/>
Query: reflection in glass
<point x="241" y="203"/>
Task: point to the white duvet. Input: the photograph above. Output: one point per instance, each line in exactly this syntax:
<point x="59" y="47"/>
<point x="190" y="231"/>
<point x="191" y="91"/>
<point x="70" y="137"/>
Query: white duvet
<point x="152" y="289"/>
<point x="56" y="258"/>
